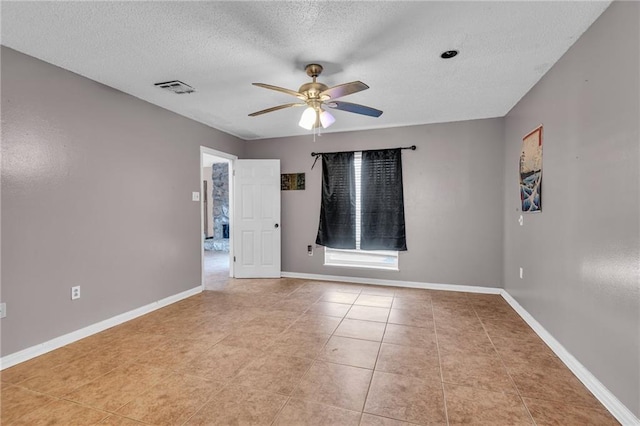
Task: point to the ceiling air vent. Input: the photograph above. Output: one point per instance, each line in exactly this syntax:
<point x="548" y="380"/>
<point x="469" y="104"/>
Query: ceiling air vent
<point x="176" y="86"/>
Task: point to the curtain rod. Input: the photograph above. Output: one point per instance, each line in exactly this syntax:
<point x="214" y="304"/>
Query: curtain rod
<point x="315" y="154"/>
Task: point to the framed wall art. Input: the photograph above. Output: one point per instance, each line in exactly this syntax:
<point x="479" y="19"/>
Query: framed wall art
<point x="292" y="181"/>
<point x="531" y="172"/>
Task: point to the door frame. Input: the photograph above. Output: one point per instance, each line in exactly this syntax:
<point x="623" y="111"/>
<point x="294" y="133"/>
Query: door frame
<point x="231" y="158"/>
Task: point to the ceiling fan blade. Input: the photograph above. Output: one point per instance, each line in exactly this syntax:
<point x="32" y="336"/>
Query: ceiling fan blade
<point x="344" y="90"/>
<point x="281" y="89"/>
<point x="275" y="108"/>
<point x="356" y="108"/>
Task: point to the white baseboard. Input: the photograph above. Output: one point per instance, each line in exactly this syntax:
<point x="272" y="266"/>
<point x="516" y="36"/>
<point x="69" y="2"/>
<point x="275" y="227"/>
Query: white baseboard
<point x="42" y="348"/>
<point x="395" y="283"/>
<point x="600" y="391"/>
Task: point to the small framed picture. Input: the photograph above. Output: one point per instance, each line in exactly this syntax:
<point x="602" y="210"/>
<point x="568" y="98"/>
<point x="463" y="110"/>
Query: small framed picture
<point x="292" y="181"/>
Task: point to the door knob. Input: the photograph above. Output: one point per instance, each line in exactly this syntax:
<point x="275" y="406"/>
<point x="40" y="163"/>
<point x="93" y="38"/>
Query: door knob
<point x="276" y="225"/>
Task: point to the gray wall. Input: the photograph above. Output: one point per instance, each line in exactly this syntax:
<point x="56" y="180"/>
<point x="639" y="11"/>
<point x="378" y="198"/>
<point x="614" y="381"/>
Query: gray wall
<point x="89" y="176"/>
<point x="453" y="198"/>
<point x="580" y="255"/>
<point x="96" y="192"/>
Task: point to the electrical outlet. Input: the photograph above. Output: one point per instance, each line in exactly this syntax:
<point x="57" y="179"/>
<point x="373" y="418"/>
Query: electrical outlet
<point x="310" y="250"/>
<point x="75" y="292"/>
<point x="521" y="273"/>
<point x="521" y="220"/>
<point x="3" y="310"/>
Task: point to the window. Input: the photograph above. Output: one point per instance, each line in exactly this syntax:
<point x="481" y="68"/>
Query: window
<point x="374" y="259"/>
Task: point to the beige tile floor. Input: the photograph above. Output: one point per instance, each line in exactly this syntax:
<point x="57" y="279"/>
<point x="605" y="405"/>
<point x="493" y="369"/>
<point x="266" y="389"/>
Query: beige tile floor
<point x="216" y="269"/>
<point x="294" y="352"/>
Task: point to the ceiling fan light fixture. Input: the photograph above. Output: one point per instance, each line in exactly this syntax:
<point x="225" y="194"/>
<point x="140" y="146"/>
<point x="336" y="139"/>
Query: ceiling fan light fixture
<point x="308" y="119"/>
<point x="326" y="119"/>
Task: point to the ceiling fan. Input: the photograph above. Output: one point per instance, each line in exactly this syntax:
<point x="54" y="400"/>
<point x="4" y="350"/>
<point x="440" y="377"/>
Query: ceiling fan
<point x="317" y="96"/>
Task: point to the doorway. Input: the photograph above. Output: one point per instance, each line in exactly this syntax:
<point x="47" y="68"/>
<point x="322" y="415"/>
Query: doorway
<point x="216" y="218"/>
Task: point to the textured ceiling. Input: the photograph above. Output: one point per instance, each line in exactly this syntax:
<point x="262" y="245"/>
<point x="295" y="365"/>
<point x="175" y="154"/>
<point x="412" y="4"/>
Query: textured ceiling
<point x="220" y="48"/>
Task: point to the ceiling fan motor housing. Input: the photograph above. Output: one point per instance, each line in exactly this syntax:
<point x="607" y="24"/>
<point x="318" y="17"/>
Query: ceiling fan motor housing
<point x="313" y="89"/>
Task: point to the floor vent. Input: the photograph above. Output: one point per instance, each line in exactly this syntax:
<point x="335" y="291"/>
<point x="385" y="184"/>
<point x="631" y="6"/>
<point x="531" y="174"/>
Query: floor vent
<point x="176" y="86"/>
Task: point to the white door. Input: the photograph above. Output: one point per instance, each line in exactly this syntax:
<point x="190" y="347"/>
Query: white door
<point x="256" y="238"/>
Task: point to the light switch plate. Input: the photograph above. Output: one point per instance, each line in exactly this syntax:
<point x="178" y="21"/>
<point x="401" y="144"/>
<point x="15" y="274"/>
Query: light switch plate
<point x="3" y="310"/>
<point x="195" y="196"/>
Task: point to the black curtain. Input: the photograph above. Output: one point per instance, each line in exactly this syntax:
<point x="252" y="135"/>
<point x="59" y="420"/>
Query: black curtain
<point x="382" y="200"/>
<point x="337" y="228"/>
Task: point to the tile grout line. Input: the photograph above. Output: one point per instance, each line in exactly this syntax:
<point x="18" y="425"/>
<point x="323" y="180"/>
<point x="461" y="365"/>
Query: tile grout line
<point x="366" y="397"/>
<point x="208" y="400"/>
<point x="115" y="411"/>
<point x="315" y="360"/>
<point x="109" y="412"/>
<point x="228" y="382"/>
<point x="275" y="419"/>
<point x="444" y="393"/>
<point x="533" y="422"/>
